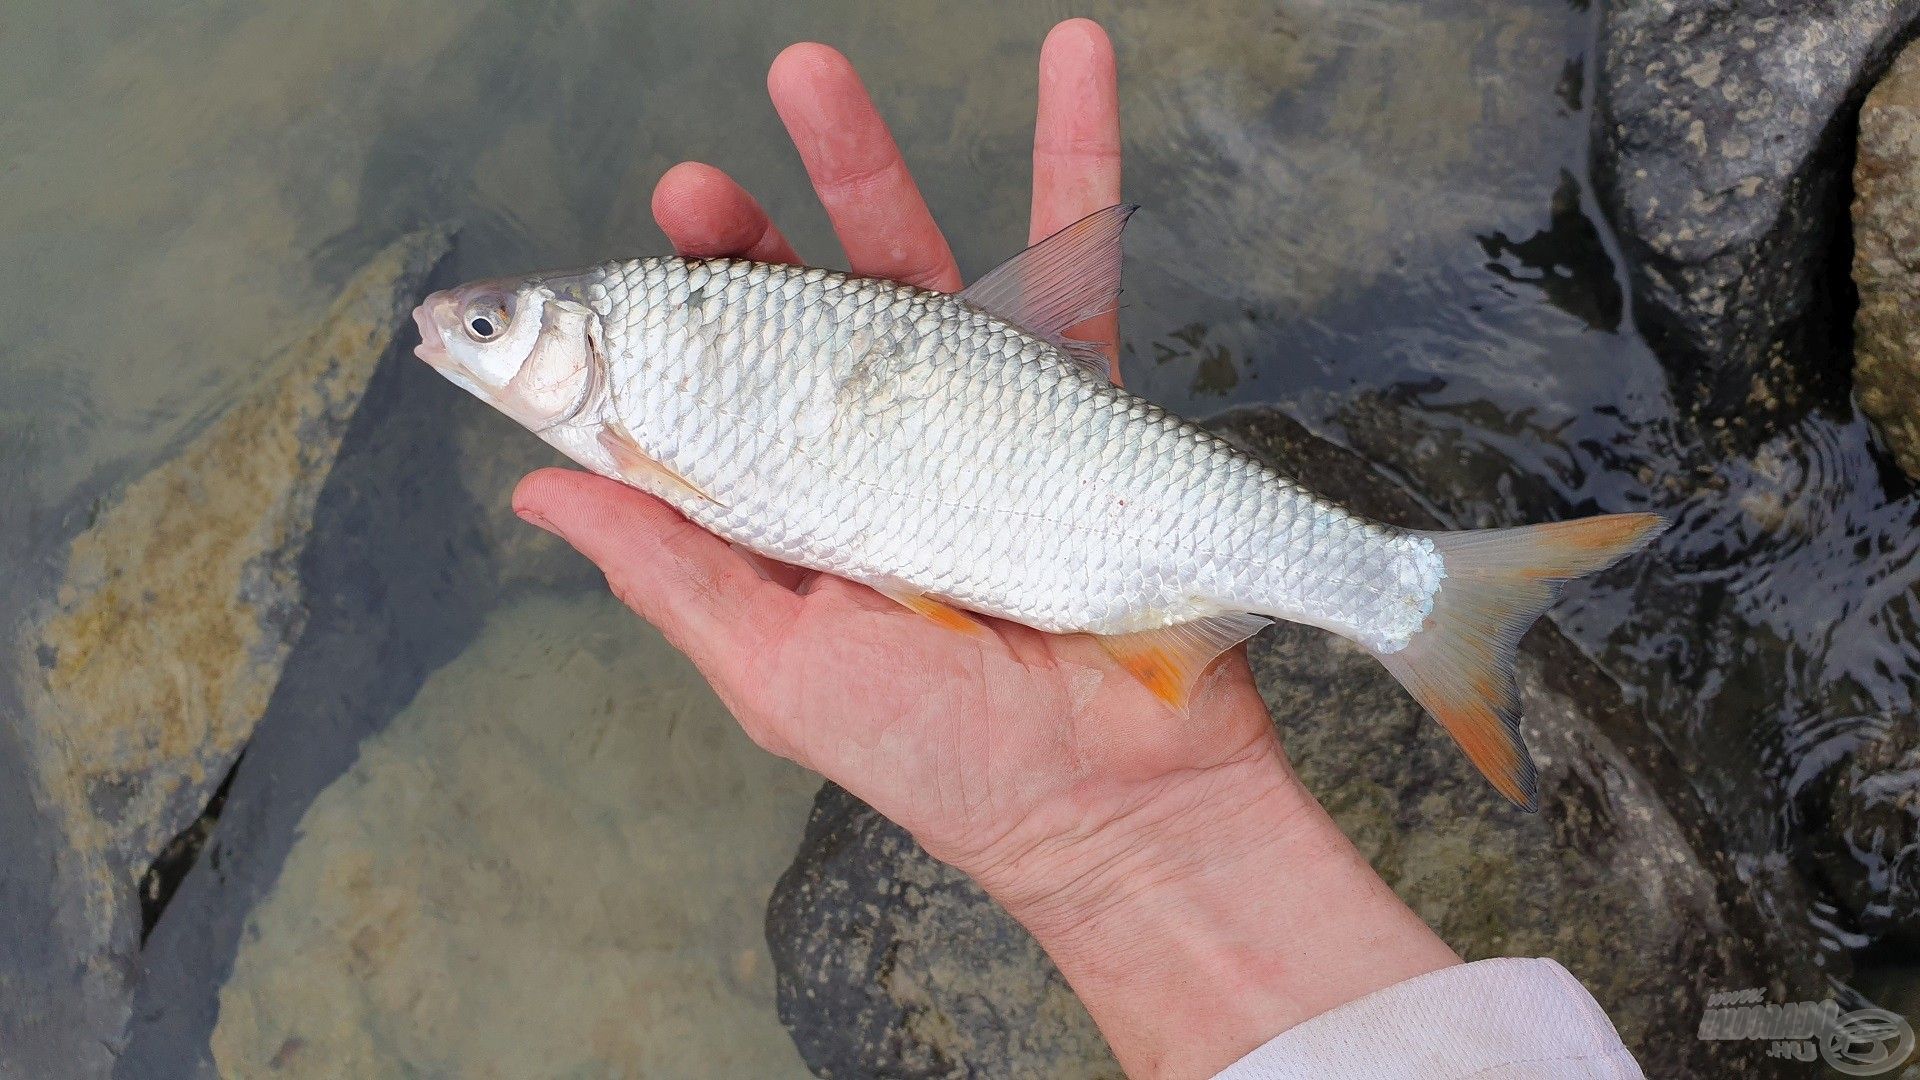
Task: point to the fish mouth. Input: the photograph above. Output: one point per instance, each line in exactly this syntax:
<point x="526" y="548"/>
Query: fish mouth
<point x="432" y="347"/>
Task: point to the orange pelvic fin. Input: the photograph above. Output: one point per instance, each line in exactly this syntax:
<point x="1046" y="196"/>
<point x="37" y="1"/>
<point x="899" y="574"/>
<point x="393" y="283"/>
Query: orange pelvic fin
<point x="939" y="611"/>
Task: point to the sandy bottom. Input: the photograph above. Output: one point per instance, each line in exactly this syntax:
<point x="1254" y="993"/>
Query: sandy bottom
<point x="555" y="862"/>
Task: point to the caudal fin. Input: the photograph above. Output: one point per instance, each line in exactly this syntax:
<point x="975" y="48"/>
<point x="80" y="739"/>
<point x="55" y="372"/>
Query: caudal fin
<point x="1498" y="581"/>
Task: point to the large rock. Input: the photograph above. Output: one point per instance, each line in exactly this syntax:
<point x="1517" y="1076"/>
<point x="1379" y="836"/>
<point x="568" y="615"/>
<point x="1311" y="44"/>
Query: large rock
<point x="178" y="608"/>
<point x="1870" y="800"/>
<point x="1886" y="260"/>
<point x="407" y="563"/>
<point x="891" y="965"/>
<point x="1723" y="129"/>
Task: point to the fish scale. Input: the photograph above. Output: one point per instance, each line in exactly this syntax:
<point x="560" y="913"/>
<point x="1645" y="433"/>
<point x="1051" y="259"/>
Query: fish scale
<point x="1024" y="488"/>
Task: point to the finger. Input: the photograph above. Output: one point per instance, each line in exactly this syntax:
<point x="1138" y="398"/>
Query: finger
<point x="857" y="170"/>
<point x="707" y="216"/>
<point x="1076" y="143"/>
<point x="707" y="600"/>
<point x="1076" y="132"/>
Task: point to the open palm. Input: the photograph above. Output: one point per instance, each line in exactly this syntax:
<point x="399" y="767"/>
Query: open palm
<point x="985" y="741"/>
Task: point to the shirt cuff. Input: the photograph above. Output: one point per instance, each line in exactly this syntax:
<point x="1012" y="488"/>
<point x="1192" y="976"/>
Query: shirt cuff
<point x="1489" y="1020"/>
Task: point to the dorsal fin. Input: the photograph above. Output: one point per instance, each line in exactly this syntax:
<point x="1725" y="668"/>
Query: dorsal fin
<point x="1059" y="283"/>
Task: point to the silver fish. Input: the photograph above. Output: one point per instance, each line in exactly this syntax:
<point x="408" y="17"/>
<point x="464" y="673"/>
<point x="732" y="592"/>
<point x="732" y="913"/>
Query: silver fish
<point x="958" y="451"/>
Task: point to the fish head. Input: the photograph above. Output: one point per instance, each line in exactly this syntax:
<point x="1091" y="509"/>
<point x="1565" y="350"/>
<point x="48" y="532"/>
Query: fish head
<point x="526" y="346"/>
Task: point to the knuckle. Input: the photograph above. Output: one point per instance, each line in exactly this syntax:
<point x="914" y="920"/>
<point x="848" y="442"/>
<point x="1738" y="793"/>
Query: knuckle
<point x="1082" y="150"/>
<point x="869" y="180"/>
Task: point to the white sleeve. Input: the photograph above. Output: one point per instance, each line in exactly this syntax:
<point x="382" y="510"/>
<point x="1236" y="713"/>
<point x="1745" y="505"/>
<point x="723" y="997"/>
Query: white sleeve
<point x="1490" y="1020"/>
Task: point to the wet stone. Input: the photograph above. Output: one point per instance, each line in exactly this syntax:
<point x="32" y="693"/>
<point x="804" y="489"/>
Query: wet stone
<point x="1722" y="136"/>
<point x="1869" y="800"/>
<point x="1872" y="808"/>
<point x="892" y="965"/>
<point x="177" y="610"/>
<point x="1886" y="260"/>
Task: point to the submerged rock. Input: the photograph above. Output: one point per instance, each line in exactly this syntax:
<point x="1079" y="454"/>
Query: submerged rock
<point x="892" y="965"/>
<point x="1872" y="812"/>
<point x="1722" y="135"/>
<point x="178" y="608"/>
<point x="1886" y="260"/>
<point x="554" y="862"/>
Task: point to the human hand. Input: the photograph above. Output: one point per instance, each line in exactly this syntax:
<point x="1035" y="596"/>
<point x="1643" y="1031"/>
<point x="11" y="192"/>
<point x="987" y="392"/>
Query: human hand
<point x="1125" y="836"/>
<point x="957" y="737"/>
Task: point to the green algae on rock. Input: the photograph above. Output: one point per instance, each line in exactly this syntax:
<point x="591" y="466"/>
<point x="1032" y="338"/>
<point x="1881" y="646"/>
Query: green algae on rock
<point x="1886" y="260"/>
<point x="178" y="607"/>
<point x="554" y="862"/>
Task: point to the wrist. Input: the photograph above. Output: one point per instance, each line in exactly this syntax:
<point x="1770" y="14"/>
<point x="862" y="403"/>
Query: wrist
<point x="1203" y="913"/>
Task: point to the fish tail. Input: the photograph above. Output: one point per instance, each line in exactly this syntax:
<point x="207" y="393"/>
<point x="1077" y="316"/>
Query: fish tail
<point x="1459" y="665"/>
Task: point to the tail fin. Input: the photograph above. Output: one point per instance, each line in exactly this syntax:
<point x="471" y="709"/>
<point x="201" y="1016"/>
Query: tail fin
<point x="1498" y="581"/>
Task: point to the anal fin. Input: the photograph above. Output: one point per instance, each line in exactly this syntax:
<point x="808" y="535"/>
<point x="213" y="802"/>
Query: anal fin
<point x="634" y="463"/>
<point x="1169" y="661"/>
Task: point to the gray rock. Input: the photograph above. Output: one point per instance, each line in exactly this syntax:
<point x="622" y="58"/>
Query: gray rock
<point x="178" y="608"/>
<point x="892" y="965"/>
<point x="1722" y="134"/>
<point x="1886" y="260"/>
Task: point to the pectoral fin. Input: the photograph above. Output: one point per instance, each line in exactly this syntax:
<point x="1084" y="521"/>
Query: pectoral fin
<point x="1169" y="661"/>
<point x="636" y="466"/>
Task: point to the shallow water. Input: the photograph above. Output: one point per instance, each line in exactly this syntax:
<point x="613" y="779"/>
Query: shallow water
<point x="1371" y="213"/>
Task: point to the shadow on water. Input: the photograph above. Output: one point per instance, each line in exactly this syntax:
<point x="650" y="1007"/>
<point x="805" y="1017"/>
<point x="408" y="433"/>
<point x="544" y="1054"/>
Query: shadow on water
<point x="1567" y="261"/>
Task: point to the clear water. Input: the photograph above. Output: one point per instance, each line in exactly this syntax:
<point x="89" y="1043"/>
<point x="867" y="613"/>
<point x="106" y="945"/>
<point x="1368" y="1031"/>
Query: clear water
<point x="1371" y="213"/>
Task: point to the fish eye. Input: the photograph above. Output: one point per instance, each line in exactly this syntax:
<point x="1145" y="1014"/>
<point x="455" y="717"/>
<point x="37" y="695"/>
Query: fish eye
<point x="485" y="319"/>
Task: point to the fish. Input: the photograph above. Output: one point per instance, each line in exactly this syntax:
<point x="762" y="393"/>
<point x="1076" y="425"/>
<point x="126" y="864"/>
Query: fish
<point x="961" y="453"/>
